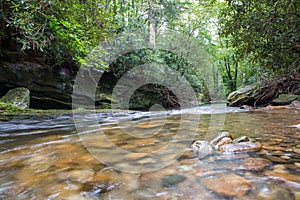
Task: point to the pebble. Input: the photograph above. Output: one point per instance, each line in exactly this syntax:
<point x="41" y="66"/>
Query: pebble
<point x="297" y="164"/>
<point x="296" y="150"/>
<point x="228" y="185"/>
<point x="273" y="148"/>
<point x="135" y="156"/>
<point x="146" y="161"/>
<point x="285" y="157"/>
<point x="276" y="159"/>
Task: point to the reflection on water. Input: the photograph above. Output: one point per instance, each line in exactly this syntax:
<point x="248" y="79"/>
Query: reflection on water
<point x="44" y="158"/>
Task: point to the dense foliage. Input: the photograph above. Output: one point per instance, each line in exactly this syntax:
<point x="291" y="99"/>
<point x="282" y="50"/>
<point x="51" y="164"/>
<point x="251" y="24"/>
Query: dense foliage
<point x="242" y="37"/>
<point x="267" y="32"/>
<point x="63" y="31"/>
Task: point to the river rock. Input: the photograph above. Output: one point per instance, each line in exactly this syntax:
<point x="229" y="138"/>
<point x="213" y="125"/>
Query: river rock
<point x="241" y="147"/>
<point x="285" y="99"/>
<point x="219" y="137"/>
<point x="228" y="185"/>
<point x="20" y="97"/>
<point x="295" y="104"/>
<point x="202" y="148"/>
<point x="223" y="141"/>
<point x="244" y="96"/>
<point x="275" y="159"/>
<point x="241" y="139"/>
<point x="255" y="164"/>
<point x="274" y="190"/>
<point x="172" y="180"/>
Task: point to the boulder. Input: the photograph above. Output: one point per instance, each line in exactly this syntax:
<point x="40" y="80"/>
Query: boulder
<point x="20" y="97"/>
<point x="49" y="87"/>
<point x="244" y="96"/>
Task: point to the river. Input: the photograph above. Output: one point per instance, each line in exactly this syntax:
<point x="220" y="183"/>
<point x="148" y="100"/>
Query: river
<point x="127" y="155"/>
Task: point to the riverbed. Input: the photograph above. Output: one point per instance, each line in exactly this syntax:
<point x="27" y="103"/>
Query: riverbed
<point x="147" y="155"/>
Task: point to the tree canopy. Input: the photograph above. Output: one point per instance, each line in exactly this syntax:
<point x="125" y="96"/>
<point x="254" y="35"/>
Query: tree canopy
<point x="245" y="39"/>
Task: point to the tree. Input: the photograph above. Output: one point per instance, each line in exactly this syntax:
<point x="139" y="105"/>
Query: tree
<point x="267" y="32"/>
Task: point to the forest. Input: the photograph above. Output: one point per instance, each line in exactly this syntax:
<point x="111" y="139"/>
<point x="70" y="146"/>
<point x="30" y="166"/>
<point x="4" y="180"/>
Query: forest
<point x="245" y="41"/>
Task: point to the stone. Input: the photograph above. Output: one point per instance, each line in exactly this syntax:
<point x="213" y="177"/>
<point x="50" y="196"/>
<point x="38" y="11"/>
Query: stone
<point x="241" y="147"/>
<point x="20" y="97"/>
<point x="273" y="148"/>
<point x="228" y="185"/>
<point x="283" y="175"/>
<point x="297" y="164"/>
<point x="202" y="148"/>
<point x="135" y="156"/>
<point x="219" y="137"/>
<point x="255" y="164"/>
<point x="244" y="96"/>
<point x="172" y="180"/>
<point x="223" y="141"/>
<point x="296" y="150"/>
<point x="273" y="191"/>
<point x="50" y="87"/>
<point x="241" y="139"/>
<point x="285" y="99"/>
<point x="295" y="104"/>
<point x="276" y="159"/>
<point x="285" y="157"/>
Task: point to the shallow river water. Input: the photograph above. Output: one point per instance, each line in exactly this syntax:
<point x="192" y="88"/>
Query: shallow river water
<point x="147" y="155"/>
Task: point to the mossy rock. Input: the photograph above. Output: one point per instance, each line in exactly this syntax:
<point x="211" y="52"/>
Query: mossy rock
<point x="285" y="99"/>
<point x="19" y="97"/>
<point x="244" y="96"/>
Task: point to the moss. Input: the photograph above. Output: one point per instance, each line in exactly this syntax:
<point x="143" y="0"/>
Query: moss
<point x="8" y="108"/>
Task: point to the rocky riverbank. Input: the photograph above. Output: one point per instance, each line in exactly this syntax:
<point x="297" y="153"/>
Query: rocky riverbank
<point x="52" y="87"/>
<point x="279" y="91"/>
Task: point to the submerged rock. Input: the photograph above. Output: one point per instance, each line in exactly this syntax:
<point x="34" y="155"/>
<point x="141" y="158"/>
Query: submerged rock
<point x="228" y="185"/>
<point x="202" y="148"/>
<point x="20" y="97"/>
<point x="172" y="180"/>
<point x="255" y="164"/>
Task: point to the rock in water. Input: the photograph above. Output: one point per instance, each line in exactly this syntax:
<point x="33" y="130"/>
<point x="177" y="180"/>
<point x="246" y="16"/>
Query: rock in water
<point x="19" y="97"/>
<point x="285" y="99"/>
<point x="255" y="164"/>
<point x="202" y="148"/>
<point x="241" y="147"/>
<point x="172" y="180"/>
<point x="228" y="185"/>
